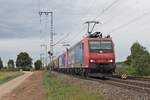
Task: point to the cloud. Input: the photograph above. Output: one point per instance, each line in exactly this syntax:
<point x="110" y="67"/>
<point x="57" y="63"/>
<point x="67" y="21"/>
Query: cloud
<point x="19" y="23"/>
<point x="19" y="19"/>
<point x="10" y="48"/>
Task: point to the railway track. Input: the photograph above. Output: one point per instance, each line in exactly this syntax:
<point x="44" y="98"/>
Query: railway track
<point x="136" y="85"/>
<point x="131" y="84"/>
<point x="144" y="84"/>
<point x="140" y="86"/>
<point x="138" y="78"/>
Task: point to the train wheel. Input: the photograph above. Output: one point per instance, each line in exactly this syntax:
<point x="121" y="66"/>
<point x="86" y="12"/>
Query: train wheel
<point x="83" y="73"/>
<point x="80" y="72"/>
<point x="86" y="73"/>
<point x="103" y="77"/>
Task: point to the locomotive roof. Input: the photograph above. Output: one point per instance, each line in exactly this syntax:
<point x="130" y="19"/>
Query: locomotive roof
<point x="103" y="38"/>
<point x="90" y="38"/>
<point x="94" y="36"/>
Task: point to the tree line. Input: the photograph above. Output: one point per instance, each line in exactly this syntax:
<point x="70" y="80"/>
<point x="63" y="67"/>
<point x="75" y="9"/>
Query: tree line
<point x="23" y="61"/>
<point x="139" y="60"/>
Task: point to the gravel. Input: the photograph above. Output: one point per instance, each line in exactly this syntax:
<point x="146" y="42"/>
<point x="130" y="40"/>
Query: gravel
<point x="110" y="92"/>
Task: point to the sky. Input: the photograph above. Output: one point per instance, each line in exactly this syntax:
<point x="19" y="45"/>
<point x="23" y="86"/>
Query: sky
<point x="127" y="21"/>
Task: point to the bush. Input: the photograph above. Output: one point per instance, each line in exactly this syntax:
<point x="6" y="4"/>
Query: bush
<point x="38" y="65"/>
<point x="122" y="68"/>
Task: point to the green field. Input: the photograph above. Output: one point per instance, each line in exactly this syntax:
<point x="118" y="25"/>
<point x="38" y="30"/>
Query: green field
<point x="57" y="90"/>
<point x="6" y="76"/>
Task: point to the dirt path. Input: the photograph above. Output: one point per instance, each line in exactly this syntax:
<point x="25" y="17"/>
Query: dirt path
<point x="30" y="89"/>
<point x="10" y="85"/>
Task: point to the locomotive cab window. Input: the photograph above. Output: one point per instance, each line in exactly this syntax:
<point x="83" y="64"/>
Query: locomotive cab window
<point x="100" y="46"/>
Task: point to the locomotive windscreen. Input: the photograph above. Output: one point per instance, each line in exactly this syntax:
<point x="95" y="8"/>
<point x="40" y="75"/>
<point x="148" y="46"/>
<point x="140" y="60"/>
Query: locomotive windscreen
<point x="100" y="46"/>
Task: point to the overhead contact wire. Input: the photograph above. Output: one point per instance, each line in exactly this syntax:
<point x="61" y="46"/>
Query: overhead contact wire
<point x="131" y="21"/>
<point x="105" y="9"/>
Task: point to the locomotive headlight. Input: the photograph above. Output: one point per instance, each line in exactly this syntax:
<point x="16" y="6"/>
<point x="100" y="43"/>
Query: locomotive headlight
<point x="92" y="60"/>
<point x="110" y="60"/>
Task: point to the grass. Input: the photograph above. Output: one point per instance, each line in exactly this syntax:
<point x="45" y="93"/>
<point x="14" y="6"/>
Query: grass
<point x="57" y="90"/>
<point x="8" y="75"/>
<point x="122" y="68"/>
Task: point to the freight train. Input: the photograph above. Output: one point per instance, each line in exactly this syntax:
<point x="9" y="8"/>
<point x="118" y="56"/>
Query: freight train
<point x="93" y="55"/>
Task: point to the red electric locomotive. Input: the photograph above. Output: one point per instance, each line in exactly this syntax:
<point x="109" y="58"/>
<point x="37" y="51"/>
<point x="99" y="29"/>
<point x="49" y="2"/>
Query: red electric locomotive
<point x="93" y="55"/>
